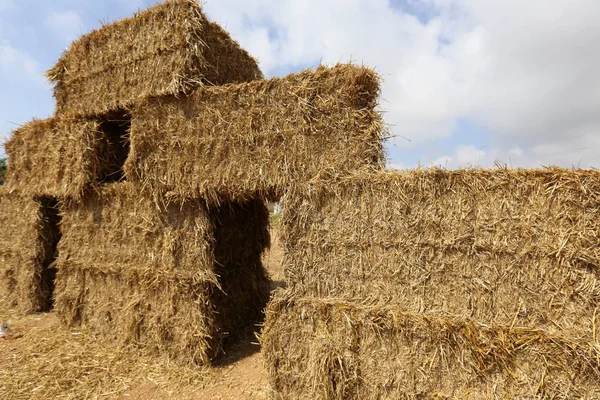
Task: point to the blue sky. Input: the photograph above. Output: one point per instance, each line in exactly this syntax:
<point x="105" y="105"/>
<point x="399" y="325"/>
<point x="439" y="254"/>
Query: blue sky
<point x="466" y="82"/>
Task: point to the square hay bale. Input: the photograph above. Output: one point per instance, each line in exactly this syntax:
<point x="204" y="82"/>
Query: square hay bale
<point x="61" y="157"/>
<point x="507" y="246"/>
<point x="30" y="233"/>
<point x="170" y="48"/>
<point x="176" y="279"/>
<point x="325" y="349"/>
<point x="259" y="137"/>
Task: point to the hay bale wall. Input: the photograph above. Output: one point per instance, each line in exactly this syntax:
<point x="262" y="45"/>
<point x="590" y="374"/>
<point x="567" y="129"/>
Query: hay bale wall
<point x="60" y="157"/>
<point x="152" y="276"/>
<point x="169" y="48"/>
<point x="322" y="349"/>
<point x="27" y="248"/>
<point x="502" y="246"/>
<point x="235" y="141"/>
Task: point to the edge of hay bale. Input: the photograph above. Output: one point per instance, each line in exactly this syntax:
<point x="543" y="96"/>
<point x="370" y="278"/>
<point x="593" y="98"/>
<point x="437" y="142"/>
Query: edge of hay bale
<point x="169" y="48"/>
<point x="262" y="137"/>
<point x="323" y="349"/>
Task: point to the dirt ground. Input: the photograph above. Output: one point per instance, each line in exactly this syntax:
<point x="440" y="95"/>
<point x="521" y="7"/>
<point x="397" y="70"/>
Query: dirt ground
<point x="241" y="374"/>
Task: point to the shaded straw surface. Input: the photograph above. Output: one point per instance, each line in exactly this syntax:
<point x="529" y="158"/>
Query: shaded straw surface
<point x="235" y="141"/>
<point x="61" y="157"/>
<point x="153" y="276"/>
<point x="26" y="249"/>
<point x="502" y="246"/>
<point x="322" y="349"/>
<point x="169" y="48"/>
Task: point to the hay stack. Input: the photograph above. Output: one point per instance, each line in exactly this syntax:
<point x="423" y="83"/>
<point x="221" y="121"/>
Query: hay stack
<point x="27" y="248"/>
<point x="60" y="157"/>
<point x="322" y="349"/>
<point x="159" y="277"/>
<point x="235" y="141"/>
<point x="169" y="48"/>
<point x="509" y="247"/>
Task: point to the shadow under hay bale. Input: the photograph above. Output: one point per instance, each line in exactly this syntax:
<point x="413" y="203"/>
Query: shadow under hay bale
<point x="169" y="48"/>
<point x="175" y="279"/>
<point x="325" y="349"/>
<point x="502" y="246"/>
<point x="257" y="138"/>
<point x="30" y="233"/>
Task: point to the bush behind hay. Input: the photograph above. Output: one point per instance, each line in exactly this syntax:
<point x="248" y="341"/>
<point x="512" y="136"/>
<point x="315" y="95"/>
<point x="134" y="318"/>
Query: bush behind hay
<point x="170" y="48"/>
<point x="261" y="137"/>
<point x="322" y="349"/>
<point x="502" y="246"/>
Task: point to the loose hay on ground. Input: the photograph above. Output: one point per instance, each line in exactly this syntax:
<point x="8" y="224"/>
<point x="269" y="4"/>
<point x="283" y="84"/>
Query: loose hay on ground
<point x="501" y="246"/>
<point x="48" y="361"/>
<point x="169" y="48"/>
<point x="156" y="277"/>
<point x="27" y="248"/>
<point x="324" y="349"/>
<point x="261" y="137"/>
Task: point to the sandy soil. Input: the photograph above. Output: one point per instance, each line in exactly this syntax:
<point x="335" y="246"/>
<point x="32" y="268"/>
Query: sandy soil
<point x="241" y="374"/>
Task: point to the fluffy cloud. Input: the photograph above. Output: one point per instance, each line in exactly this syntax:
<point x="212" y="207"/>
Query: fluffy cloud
<point x="67" y="25"/>
<point x="526" y="72"/>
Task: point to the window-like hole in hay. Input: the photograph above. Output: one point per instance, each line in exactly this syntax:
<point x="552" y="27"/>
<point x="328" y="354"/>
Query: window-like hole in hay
<point x="115" y="127"/>
<point x="50" y="235"/>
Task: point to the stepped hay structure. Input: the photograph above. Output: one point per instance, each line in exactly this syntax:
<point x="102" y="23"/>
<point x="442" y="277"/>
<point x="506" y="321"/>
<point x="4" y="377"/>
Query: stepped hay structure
<point x="137" y="212"/>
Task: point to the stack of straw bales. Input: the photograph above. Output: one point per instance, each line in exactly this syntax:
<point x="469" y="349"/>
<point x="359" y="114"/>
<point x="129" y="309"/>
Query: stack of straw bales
<point x="155" y="275"/>
<point x="455" y="284"/>
<point x="164" y="146"/>
<point x="162" y="275"/>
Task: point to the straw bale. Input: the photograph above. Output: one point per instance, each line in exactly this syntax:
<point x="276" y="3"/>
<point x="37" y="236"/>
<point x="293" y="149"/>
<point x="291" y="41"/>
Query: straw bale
<point x="27" y="248"/>
<point x="322" y="349"/>
<point x="503" y="246"/>
<point x="155" y="276"/>
<point x="60" y="157"/>
<point x="170" y="48"/>
<point x="234" y="141"/>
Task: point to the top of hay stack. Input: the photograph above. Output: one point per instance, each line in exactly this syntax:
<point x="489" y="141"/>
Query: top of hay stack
<point x="169" y="48"/>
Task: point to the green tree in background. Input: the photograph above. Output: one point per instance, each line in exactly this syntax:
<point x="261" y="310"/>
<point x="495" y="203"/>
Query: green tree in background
<point x="3" y="168"/>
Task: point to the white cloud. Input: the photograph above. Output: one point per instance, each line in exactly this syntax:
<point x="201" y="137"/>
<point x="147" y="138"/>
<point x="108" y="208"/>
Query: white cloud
<point x="15" y="62"/>
<point x="524" y="71"/>
<point x="67" y="25"/>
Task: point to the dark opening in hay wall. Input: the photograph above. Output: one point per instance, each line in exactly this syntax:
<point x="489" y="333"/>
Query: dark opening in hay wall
<point x="241" y="235"/>
<point x="50" y="232"/>
<point x="115" y="127"/>
<point x="30" y="234"/>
